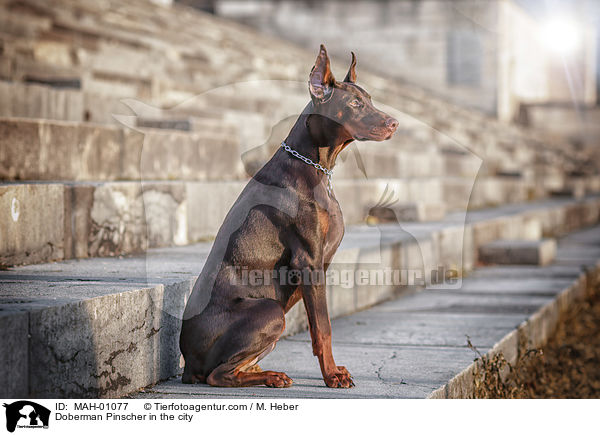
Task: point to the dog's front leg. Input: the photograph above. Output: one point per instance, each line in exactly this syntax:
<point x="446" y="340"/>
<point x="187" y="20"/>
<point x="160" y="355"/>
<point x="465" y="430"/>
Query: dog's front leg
<point x="315" y="302"/>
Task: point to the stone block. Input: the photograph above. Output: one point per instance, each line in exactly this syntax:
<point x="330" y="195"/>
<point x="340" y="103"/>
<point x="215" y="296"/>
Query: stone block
<point x="107" y="346"/>
<point x="20" y="150"/>
<point x="133" y="143"/>
<point x="54" y="150"/>
<point x="97" y="154"/>
<point x="14" y="354"/>
<point x="457" y="193"/>
<point x="32" y="223"/>
<point x="79" y="200"/>
<point x="455" y="250"/>
<point x="295" y="320"/>
<point x="511" y="227"/>
<point x="368" y="277"/>
<point x="117" y="218"/>
<point x="189" y="156"/>
<point x="539" y="252"/>
<point x="459" y="165"/>
<point x="357" y="197"/>
<point x="129" y="217"/>
<point x="117" y="223"/>
<point x="38" y="101"/>
<point x="381" y="161"/>
<point x="531" y="228"/>
<point x="341" y="291"/>
<point x="100" y="108"/>
<point x="208" y="204"/>
<point x="486" y="231"/>
<point x="42" y="150"/>
<point x="165" y="209"/>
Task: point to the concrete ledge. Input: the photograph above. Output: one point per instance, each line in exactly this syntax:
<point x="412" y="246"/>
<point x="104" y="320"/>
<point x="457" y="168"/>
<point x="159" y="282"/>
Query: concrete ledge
<point x="533" y="333"/>
<point x="82" y="335"/>
<point x="119" y="218"/>
<point x="415" y="346"/>
<point x="75" y="151"/>
<point x="37" y="101"/>
<point x="105" y="346"/>
<point x="540" y="252"/>
<point x="31" y="223"/>
<point x="14" y="357"/>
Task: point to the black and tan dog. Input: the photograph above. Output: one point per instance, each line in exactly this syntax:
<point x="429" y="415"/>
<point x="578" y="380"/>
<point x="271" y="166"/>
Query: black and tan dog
<point x="286" y="218"/>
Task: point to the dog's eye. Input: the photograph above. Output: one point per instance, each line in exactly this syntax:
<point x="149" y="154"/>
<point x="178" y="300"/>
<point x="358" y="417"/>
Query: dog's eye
<point x="355" y="103"/>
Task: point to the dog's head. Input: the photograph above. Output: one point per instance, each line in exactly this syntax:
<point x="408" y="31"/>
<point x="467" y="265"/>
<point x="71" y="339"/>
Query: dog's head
<point x="346" y="103"/>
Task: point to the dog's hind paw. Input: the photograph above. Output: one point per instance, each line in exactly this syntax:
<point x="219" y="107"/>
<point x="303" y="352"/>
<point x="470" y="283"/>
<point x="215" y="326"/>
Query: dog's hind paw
<point x="277" y="380"/>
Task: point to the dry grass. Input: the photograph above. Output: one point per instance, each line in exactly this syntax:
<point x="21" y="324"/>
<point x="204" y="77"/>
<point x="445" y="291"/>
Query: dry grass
<point x="568" y="366"/>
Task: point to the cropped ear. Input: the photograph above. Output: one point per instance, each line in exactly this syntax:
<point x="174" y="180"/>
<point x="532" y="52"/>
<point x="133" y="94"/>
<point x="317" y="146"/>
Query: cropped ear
<point x="321" y="80"/>
<point x="351" y="76"/>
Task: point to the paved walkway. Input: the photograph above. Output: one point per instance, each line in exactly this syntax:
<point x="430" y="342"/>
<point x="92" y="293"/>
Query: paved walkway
<point x="409" y="347"/>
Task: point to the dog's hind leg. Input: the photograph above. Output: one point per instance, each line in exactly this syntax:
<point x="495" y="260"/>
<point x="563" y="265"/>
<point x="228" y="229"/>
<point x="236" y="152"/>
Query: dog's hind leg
<point x="258" y="325"/>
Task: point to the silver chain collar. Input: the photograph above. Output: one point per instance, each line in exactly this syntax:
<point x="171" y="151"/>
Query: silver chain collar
<point x="327" y="172"/>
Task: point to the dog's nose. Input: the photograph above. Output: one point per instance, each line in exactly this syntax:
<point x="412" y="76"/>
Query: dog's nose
<point x="391" y="123"/>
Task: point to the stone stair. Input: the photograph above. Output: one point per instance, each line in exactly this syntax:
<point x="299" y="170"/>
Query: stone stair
<point x="127" y="130"/>
<point x="173" y="66"/>
<point x="105" y="327"/>
<point x="120" y="190"/>
<point x="416" y="346"/>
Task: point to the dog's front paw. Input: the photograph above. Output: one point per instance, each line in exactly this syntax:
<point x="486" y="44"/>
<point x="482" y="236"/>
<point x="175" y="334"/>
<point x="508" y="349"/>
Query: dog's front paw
<point x="341" y="378"/>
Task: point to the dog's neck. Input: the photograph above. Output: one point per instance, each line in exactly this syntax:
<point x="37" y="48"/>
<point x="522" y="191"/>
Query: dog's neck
<point x="318" y="137"/>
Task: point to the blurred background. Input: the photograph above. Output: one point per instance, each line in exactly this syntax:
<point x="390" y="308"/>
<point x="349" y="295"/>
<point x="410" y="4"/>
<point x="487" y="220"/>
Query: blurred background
<point x="528" y="61"/>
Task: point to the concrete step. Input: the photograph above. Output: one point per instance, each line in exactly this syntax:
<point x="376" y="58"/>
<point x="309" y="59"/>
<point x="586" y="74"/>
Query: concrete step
<point x="487" y="191"/>
<point x="273" y="106"/>
<point x="60" y="150"/>
<point x="358" y="197"/>
<point x="538" y="252"/>
<point x="37" y="101"/>
<point x="53" y="221"/>
<point x="415" y="346"/>
<point x="105" y="327"/>
<point x="102" y="153"/>
<point x="166" y="57"/>
<point x="93" y="105"/>
<point x="23" y="100"/>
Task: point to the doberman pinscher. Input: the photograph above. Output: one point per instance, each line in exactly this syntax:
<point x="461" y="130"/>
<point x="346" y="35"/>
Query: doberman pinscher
<point x="287" y="218"/>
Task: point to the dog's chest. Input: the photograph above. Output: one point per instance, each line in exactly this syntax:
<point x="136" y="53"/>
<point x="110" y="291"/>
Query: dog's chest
<point x="332" y="223"/>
